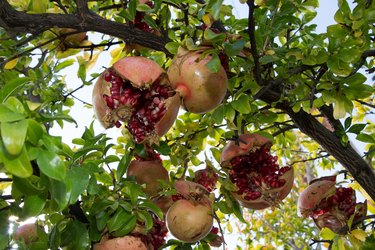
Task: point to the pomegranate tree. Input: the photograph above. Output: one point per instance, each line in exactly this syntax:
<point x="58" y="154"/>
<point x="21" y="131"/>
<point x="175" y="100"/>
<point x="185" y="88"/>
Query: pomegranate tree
<point x="260" y="181"/>
<point x="190" y="218"/>
<point x="148" y="171"/>
<point x="200" y="88"/>
<point x="330" y="206"/>
<point x="136" y="90"/>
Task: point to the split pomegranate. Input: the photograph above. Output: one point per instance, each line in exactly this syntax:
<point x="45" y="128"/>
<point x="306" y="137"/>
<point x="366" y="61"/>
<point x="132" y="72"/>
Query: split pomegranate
<point x="136" y="90"/>
<point x="149" y="172"/>
<point x="27" y="233"/>
<point x="190" y="218"/>
<point x="260" y="181"/>
<point x="330" y="206"/>
<point x="206" y="177"/>
<point x="200" y="88"/>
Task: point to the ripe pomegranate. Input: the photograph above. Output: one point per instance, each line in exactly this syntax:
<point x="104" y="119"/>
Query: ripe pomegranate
<point x="148" y="172"/>
<point x="200" y="88"/>
<point x="137" y="91"/>
<point x="190" y="218"/>
<point x="328" y="205"/>
<point x="206" y="177"/>
<point x="261" y="183"/>
<point x="27" y="233"/>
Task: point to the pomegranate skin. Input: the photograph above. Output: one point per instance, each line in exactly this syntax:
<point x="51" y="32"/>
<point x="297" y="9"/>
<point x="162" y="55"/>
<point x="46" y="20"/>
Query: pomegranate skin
<point x="26" y="233"/>
<point x="246" y="143"/>
<point x="121" y="243"/>
<point x="189" y="221"/>
<point x="148" y="173"/>
<point x="201" y="89"/>
<point x="189" y="188"/>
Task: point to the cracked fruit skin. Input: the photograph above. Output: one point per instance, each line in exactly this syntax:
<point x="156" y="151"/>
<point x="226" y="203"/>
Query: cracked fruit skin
<point x="201" y="89"/>
<point x="260" y="182"/>
<point x="136" y="91"/>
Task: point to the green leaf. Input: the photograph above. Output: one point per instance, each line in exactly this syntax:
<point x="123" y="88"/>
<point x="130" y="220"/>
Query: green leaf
<point x="13" y="136"/>
<point x="33" y="205"/>
<point x="242" y="104"/>
<point x="60" y="193"/>
<point x="8" y="115"/>
<point x="12" y="87"/>
<point x="54" y="117"/>
<point x="145" y="217"/>
<point x="82" y="72"/>
<point x="64" y="64"/>
<point x="19" y="166"/>
<point x="233" y="49"/>
<point x="77" y="180"/>
<point x="123" y="165"/>
<point x="119" y="219"/>
<point x="14" y="104"/>
<point x="51" y="165"/>
<point x="365" y="138"/>
<point x="356" y="128"/>
<point x="214" y="64"/>
<point x="213" y="37"/>
<point x="128" y="227"/>
<point x="172" y="47"/>
<point x="35" y="131"/>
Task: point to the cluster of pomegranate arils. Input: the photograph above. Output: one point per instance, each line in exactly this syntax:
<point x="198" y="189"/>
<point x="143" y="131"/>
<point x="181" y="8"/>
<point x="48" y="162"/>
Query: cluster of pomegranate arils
<point x="260" y="181"/>
<point x="330" y="206"/>
<point x="206" y="177"/>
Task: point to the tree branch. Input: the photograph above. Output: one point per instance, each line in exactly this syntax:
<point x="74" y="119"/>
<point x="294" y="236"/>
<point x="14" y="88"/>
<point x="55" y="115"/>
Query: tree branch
<point x="21" y="22"/>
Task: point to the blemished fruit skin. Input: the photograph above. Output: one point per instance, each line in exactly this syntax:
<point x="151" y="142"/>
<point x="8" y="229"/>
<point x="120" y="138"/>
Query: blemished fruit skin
<point x="137" y="92"/>
<point x="27" y="233"/>
<point x="261" y="183"/>
<point x="201" y="89"/>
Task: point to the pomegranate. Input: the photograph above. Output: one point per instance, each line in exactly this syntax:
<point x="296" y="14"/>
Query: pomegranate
<point x="149" y="172"/>
<point x="136" y="90"/>
<point x="27" y="233"/>
<point x="200" y="88"/>
<point x="206" y="177"/>
<point x="328" y="205"/>
<point x="190" y="218"/>
<point x="260" y="182"/>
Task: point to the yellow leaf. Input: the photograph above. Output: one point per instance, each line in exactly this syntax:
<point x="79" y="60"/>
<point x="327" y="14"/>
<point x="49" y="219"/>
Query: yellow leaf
<point x="327" y="234"/>
<point x="11" y="64"/>
<point x="208" y="20"/>
<point x="359" y="234"/>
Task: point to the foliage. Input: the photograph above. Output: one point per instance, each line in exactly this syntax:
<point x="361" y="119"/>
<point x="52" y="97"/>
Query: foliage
<point x="285" y="81"/>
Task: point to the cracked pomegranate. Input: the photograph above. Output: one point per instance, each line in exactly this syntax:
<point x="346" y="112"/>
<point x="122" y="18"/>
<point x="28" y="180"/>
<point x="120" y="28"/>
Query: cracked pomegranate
<point x="206" y="177"/>
<point x="330" y="206"/>
<point x="136" y="91"/>
<point x="200" y="88"/>
<point x="260" y="181"/>
<point x="190" y="218"/>
<point x="149" y="172"/>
